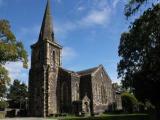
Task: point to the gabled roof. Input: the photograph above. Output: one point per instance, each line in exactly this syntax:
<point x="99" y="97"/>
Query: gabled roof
<point x="92" y="71"/>
<point x="68" y="71"/>
<point x="88" y="71"/>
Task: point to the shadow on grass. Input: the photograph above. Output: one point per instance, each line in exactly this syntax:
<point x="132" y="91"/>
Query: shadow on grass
<point x="111" y="117"/>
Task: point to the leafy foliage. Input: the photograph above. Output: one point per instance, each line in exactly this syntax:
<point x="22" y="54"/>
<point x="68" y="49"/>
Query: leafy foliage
<point x="129" y="102"/>
<point x="140" y="52"/>
<point x="10" y="48"/>
<point x="3" y="104"/>
<point x="134" y="5"/>
<point x="4" y="81"/>
<point x="18" y="93"/>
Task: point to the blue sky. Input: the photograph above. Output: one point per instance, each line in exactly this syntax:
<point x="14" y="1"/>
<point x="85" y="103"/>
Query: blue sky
<point x="88" y="30"/>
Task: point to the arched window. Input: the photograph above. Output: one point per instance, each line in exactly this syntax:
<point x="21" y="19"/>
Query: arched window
<point x="101" y="94"/>
<point x="64" y="93"/>
<point x="96" y="88"/>
<point x="64" y="98"/>
<point x="76" y="91"/>
<point x="53" y="58"/>
<point x="101" y="75"/>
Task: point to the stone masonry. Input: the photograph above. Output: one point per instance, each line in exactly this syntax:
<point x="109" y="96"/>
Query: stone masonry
<point x="55" y="90"/>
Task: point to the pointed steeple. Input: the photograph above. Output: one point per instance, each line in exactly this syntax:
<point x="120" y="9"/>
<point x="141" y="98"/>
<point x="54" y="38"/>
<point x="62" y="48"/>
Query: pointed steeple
<point x="47" y="26"/>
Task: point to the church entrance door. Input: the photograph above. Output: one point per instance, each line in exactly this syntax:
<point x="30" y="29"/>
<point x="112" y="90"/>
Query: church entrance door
<point x="86" y="105"/>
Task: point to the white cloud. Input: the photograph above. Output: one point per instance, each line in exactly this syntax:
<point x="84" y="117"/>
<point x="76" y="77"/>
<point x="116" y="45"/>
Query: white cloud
<point x="96" y="17"/>
<point x="98" y="13"/>
<point x="81" y="8"/>
<point x="68" y="54"/>
<point x="16" y="71"/>
<point x="93" y="18"/>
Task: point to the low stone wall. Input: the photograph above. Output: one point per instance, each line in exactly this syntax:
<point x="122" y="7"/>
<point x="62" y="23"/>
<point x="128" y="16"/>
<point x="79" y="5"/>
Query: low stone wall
<point x="2" y="114"/>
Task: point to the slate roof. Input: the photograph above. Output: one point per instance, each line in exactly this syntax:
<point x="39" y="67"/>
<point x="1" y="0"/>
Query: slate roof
<point x="69" y="71"/>
<point x="66" y="70"/>
<point x="87" y="71"/>
<point x="83" y="72"/>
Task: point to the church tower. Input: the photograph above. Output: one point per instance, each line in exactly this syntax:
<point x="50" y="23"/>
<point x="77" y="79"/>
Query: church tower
<point x="43" y="75"/>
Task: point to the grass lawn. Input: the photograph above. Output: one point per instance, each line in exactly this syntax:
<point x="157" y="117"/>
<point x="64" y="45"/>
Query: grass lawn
<point x="109" y="117"/>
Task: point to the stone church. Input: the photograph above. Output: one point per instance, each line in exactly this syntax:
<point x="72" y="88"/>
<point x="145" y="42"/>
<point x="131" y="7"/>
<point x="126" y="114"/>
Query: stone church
<point x="55" y="90"/>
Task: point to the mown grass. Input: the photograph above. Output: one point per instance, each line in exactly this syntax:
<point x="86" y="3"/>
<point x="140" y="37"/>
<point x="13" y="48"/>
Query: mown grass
<point x="110" y="117"/>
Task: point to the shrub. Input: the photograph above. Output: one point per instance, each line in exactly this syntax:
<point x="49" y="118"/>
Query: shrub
<point x="129" y="102"/>
<point x="3" y="104"/>
<point x="149" y="107"/>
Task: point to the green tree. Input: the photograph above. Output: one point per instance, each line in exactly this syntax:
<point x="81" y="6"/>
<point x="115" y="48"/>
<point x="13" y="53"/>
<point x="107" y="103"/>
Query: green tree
<point x="4" y="80"/>
<point x="18" y="94"/>
<point x="129" y="102"/>
<point x="3" y="104"/>
<point x="11" y="50"/>
<point x="134" y="5"/>
<point x="139" y="50"/>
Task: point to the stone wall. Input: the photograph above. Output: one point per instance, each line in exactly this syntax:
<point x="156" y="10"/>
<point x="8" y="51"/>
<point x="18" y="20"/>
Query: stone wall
<point x="102" y="90"/>
<point x="86" y="89"/>
<point x="52" y="91"/>
<point x="36" y="81"/>
<point x="75" y="87"/>
<point x="36" y="92"/>
<point x="52" y="86"/>
<point x="43" y="76"/>
<point x="65" y="91"/>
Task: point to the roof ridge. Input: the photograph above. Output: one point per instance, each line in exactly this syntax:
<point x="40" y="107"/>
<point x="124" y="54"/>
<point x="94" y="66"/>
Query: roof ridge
<point x="88" y="71"/>
<point x="67" y="70"/>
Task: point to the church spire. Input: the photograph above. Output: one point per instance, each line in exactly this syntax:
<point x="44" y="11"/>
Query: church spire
<point x="47" y="26"/>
